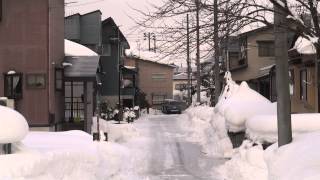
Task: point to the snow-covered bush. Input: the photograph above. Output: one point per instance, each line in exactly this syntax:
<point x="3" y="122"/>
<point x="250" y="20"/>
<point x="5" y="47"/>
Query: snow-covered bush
<point x="13" y="126"/>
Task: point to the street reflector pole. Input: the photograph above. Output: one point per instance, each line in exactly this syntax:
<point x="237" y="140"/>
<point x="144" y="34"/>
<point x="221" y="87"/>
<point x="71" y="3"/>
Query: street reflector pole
<point x="282" y="77"/>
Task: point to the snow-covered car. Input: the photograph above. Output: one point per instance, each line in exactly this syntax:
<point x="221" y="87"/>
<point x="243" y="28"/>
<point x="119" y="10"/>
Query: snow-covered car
<point x="172" y="106"/>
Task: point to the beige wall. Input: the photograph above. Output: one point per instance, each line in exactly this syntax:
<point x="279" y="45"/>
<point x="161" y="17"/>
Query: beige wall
<point x="146" y="83"/>
<point x="254" y="61"/>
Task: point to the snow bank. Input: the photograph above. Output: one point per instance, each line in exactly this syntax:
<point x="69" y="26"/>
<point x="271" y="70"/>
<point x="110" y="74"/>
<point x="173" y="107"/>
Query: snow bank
<point x="74" y="49"/>
<point x="263" y="128"/>
<point x="247" y="163"/>
<point x="206" y="129"/>
<point x="13" y="126"/>
<point x="68" y="155"/>
<point x="116" y="132"/>
<point x="298" y="160"/>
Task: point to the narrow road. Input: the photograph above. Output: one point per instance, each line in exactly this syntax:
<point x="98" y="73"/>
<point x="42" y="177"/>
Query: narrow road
<point x="173" y="157"/>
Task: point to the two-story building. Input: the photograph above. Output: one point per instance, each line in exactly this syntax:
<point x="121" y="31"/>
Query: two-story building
<point x="107" y="40"/>
<point x="154" y="79"/>
<point x="31" y="47"/>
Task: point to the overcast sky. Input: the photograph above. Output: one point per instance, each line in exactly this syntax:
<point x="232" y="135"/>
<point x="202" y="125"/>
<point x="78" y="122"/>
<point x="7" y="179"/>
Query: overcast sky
<point x="119" y="10"/>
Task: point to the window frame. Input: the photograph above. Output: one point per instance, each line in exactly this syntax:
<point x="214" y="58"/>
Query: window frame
<point x="265" y="50"/>
<point x="156" y="76"/>
<point x="62" y="79"/>
<point x="36" y="75"/>
<point x="13" y="95"/>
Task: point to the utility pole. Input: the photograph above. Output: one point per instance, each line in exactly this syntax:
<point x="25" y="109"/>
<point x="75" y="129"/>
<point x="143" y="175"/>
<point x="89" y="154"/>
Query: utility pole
<point x="188" y="62"/>
<point x="198" y="51"/>
<point x="216" y="53"/>
<point x="282" y="77"/>
<point x="119" y="76"/>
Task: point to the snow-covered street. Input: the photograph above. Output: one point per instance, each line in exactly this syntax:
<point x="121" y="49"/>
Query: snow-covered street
<point x="173" y="157"/>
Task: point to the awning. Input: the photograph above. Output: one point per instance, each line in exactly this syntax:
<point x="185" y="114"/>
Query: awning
<point x="81" y="66"/>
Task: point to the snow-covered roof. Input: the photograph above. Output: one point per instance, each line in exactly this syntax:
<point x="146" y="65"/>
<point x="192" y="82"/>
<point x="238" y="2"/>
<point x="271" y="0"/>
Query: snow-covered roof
<point x="74" y="49"/>
<point x="182" y="76"/>
<point x="304" y="46"/>
<point x="150" y="56"/>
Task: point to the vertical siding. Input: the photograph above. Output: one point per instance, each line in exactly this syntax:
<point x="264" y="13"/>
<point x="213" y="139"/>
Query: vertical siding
<point x="23" y="48"/>
<point x="72" y="27"/>
<point x="90" y="28"/>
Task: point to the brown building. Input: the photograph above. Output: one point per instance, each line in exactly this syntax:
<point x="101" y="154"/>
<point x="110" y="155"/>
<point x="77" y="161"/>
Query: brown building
<point x="31" y="46"/>
<point x="304" y="92"/>
<point x="154" y="79"/>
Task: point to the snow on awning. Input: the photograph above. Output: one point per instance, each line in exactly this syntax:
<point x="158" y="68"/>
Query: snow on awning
<point x="304" y="46"/>
<point x="75" y="49"/>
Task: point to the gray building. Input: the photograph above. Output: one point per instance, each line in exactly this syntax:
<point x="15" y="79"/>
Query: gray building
<point x="106" y="39"/>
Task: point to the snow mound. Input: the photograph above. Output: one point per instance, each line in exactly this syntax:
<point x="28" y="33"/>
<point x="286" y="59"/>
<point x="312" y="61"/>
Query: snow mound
<point x="13" y="126"/>
<point x="263" y="128"/>
<point x="247" y="163"/>
<point x="295" y="161"/>
<point x="239" y="103"/>
<point x="75" y="49"/>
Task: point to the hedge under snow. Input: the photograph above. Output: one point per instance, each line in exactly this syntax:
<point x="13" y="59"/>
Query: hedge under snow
<point x="13" y="126"/>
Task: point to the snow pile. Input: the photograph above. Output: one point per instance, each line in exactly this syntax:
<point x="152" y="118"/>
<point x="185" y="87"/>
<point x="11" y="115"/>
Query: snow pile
<point x="239" y="103"/>
<point x="13" y="126"/>
<point x="297" y="161"/>
<point x="209" y="132"/>
<point x="74" y="49"/>
<point x="69" y="155"/>
<point x="304" y="46"/>
<point x="116" y="132"/>
<point x="263" y="128"/>
<point x="246" y="164"/>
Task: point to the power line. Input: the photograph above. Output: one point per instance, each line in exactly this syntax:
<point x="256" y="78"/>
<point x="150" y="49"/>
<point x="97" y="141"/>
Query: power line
<point x="82" y="4"/>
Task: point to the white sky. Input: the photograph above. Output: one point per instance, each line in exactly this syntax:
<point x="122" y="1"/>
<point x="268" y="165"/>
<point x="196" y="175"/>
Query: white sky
<point x="119" y="10"/>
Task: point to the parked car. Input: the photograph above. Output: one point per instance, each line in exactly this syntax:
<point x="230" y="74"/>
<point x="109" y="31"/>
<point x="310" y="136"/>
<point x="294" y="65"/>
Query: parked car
<point x="172" y="106"/>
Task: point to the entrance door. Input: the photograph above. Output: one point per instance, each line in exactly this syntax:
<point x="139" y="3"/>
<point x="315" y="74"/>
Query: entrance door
<point x="74" y="109"/>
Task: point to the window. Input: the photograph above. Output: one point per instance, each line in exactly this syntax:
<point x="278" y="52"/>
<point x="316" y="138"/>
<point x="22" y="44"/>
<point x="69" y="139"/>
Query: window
<point x="36" y="81"/>
<point x="180" y="87"/>
<point x="303" y="85"/>
<point x="158" y="99"/>
<point x="58" y="79"/>
<point x="265" y="48"/>
<point x="13" y="86"/>
<point x="106" y="49"/>
<point x="158" y="77"/>
<point x="291" y="81"/>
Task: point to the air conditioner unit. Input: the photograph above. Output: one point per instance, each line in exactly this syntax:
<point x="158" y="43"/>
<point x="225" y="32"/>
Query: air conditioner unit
<point x="4" y="101"/>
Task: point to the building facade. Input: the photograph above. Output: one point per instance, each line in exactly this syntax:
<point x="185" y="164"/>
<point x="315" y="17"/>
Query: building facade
<point x="32" y="34"/>
<point x="154" y="79"/>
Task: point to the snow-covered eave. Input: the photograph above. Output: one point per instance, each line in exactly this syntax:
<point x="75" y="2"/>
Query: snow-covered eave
<point x="73" y="49"/>
<point x="305" y="46"/>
